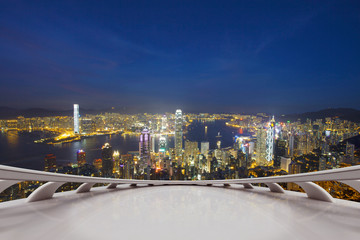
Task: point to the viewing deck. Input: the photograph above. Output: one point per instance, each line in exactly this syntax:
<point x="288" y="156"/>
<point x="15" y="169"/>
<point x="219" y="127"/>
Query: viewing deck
<point x="179" y="212"/>
<point x="214" y="209"/>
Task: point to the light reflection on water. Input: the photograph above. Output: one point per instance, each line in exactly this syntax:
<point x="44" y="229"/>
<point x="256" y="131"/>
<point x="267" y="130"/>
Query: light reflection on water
<point x="18" y="148"/>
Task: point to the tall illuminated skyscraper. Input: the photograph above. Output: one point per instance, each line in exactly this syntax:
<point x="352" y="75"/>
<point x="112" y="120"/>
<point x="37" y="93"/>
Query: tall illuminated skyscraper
<point x="107" y="160"/>
<point x="261" y="146"/>
<point x="270" y="138"/>
<point x="76" y="118"/>
<point x="163" y="123"/>
<point x="178" y="132"/>
<point x="144" y="148"/>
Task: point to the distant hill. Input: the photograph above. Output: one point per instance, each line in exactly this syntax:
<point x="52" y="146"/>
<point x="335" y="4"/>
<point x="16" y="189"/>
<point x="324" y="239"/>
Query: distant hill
<point x="342" y="113"/>
<point x="11" y="113"/>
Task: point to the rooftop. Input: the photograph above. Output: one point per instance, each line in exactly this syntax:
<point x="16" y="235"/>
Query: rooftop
<point x="179" y="212"/>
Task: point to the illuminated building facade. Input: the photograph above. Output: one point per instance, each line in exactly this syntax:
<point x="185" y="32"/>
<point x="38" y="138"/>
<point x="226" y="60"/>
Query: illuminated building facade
<point x="260" y="146"/>
<point x="117" y="170"/>
<point x="81" y="157"/>
<point x="76" y="119"/>
<point x="163" y="123"/>
<point x="50" y="163"/>
<point x="107" y="160"/>
<point x="144" y="149"/>
<point x="205" y="146"/>
<point x="162" y="144"/>
<point x="178" y="132"/>
<point x="191" y="151"/>
<point x="270" y="137"/>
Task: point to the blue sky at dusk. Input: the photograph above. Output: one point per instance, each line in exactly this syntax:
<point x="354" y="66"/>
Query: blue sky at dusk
<point x="215" y="56"/>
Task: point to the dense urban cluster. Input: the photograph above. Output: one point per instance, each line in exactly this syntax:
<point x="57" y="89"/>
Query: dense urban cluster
<point x="270" y="147"/>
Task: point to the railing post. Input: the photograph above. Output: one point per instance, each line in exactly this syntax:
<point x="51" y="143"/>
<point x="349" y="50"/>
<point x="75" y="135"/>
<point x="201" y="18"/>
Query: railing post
<point x="274" y="187"/>
<point x="248" y="185"/>
<point x="45" y="191"/>
<point x="85" y="187"/>
<point x="315" y="192"/>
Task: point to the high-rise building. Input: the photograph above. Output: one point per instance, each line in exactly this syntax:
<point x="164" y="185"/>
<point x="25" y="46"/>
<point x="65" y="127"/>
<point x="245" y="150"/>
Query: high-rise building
<point x="162" y="144"/>
<point x="261" y="146"/>
<point x="76" y="119"/>
<point x="50" y="163"/>
<point x="178" y="132"/>
<point x="117" y="168"/>
<point x="128" y="164"/>
<point x="280" y="151"/>
<point x="350" y="148"/>
<point x="284" y="163"/>
<point x="191" y="151"/>
<point x="98" y="164"/>
<point x="107" y="160"/>
<point x="218" y="140"/>
<point x="205" y="148"/>
<point x="163" y="123"/>
<point x="81" y="157"/>
<point x="270" y="138"/>
<point x="144" y="149"/>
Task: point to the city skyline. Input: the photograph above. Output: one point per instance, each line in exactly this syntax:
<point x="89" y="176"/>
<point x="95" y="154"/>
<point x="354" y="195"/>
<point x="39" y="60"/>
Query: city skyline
<point x="282" y="57"/>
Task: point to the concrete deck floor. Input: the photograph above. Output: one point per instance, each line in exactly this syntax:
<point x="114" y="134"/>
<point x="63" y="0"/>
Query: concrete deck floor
<point x="179" y="212"/>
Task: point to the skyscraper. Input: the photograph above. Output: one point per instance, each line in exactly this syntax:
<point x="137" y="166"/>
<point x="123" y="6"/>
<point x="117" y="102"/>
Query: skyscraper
<point x="260" y="146"/>
<point x="162" y="144"/>
<point x="205" y="148"/>
<point x="76" y="118"/>
<point x="107" y="160"/>
<point x="144" y="149"/>
<point x="81" y="157"/>
<point x="50" y="163"/>
<point x="178" y="132"/>
<point x="163" y="123"/>
<point x="270" y="137"/>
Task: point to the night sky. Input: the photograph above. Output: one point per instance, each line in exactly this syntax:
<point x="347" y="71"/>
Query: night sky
<point x="214" y="56"/>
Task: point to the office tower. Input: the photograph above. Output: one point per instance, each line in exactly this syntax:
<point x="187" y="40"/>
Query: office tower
<point x="261" y="146"/>
<point x="322" y="163"/>
<point x="116" y="168"/>
<point x="128" y="163"/>
<point x="163" y="123"/>
<point x="270" y="137"/>
<point x="350" y="148"/>
<point x="205" y="146"/>
<point x="280" y="151"/>
<point x="144" y="149"/>
<point x="178" y="132"/>
<point x="284" y="163"/>
<point x="153" y="144"/>
<point x="98" y="164"/>
<point x="191" y="151"/>
<point x="162" y="144"/>
<point x="107" y="160"/>
<point x="294" y="168"/>
<point x="291" y="144"/>
<point x="50" y="163"/>
<point x="218" y="140"/>
<point x="81" y="157"/>
<point x="76" y="119"/>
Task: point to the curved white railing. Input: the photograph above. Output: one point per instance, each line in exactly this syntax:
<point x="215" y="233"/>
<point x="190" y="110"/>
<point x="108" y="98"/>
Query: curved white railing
<point x="12" y="175"/>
